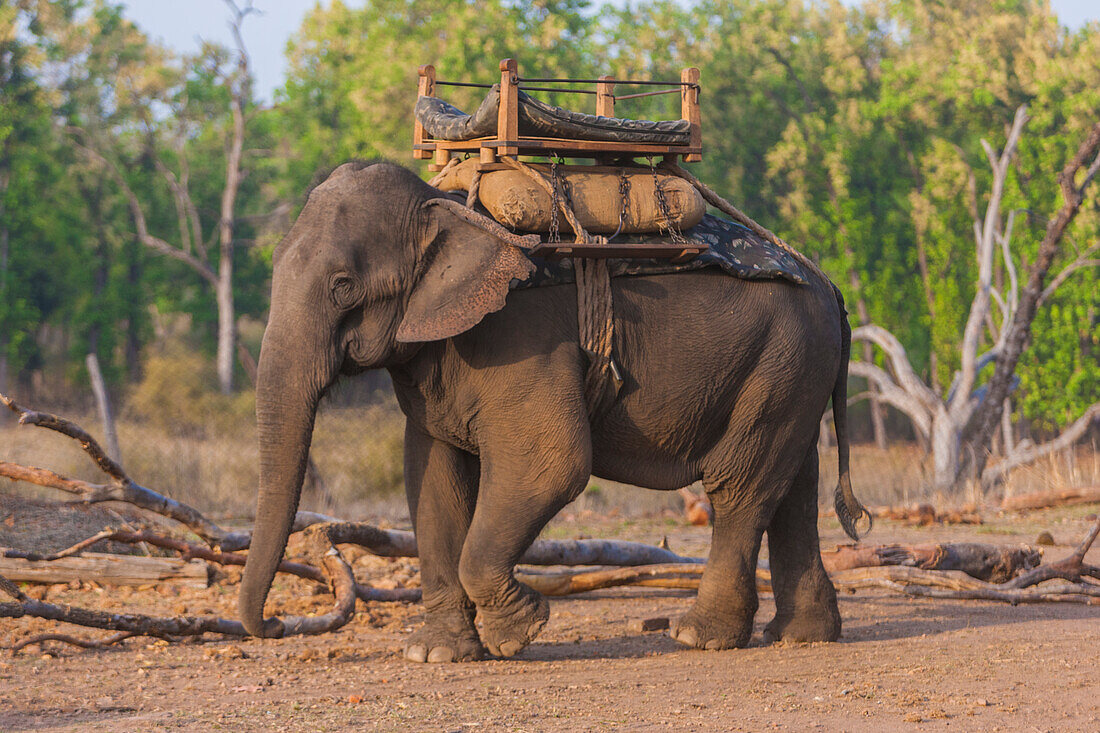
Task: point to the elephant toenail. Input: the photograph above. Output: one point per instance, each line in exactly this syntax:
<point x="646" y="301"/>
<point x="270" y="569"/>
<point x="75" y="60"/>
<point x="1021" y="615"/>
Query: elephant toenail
<point x="510" y="648"/>
<point x="712" y="645"/>
<point x="441" y="654"/>
<point x="416" y="653"/>
<point x="685" y="636"/>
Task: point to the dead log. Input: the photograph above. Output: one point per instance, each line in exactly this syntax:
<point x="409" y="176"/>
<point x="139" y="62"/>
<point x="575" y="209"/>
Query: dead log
<point x="1047" y="499"/>
<point x="108" y="569"/>
<point x="994" y="563"/>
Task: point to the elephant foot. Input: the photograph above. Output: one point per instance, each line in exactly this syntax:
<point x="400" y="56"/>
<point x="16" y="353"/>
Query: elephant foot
<point x="695" y="630"/>
<point x="445" y="637"/>
<point x="506" y="631"/>
<point x="821" y="625"/>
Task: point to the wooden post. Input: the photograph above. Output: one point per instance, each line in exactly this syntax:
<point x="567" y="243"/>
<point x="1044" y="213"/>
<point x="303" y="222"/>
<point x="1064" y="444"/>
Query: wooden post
<point x="425" y="88"/>
<point x="605" y="96"/>
<point x="689" y="110"/>
<point x="442" y="157"/>
<point x="508" y="114"/>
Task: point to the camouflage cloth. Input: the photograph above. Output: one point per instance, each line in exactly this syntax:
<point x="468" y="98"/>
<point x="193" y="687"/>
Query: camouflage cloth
<point x="731" y="247"/>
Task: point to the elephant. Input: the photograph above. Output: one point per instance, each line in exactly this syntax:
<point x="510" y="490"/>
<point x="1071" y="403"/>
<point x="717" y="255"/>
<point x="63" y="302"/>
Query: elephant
<point x="724" y="381"/>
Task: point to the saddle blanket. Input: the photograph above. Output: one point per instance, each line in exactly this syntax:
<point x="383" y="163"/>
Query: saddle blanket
<point x="733" y="248"/>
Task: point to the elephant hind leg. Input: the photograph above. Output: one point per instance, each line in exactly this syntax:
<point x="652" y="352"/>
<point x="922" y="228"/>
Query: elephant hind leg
<point x="805" y="600"/>
<point x="747" y="477"/>
<point x="723" y="614"/>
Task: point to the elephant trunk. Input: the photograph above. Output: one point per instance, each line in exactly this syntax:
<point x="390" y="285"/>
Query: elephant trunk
<point x="288" y="388"/>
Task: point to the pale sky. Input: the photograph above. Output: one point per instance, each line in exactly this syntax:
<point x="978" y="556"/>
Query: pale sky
<point x="180" y="23"/>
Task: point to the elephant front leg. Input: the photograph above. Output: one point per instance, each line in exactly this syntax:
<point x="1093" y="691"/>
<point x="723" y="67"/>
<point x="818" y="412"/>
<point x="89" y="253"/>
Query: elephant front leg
<point x="805" y="600"/>
<point x="518" y="496"/>
<point x="441" y="482"/>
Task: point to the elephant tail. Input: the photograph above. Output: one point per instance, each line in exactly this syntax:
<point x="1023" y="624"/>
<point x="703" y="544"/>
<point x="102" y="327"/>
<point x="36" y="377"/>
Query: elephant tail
<point x="848" y="509"/>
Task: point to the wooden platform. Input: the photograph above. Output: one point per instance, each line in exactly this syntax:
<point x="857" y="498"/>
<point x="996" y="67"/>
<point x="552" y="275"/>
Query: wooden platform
<point x="508" y="142"/>
<point x="677" y="252"/>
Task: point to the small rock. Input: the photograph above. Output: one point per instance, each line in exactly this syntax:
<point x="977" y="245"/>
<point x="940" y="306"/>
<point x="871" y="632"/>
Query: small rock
<point x="641" y="626"/>
<point x="1045" y="538"/>
<point x="226" y="652"/>
<point x="1090" y="517"/>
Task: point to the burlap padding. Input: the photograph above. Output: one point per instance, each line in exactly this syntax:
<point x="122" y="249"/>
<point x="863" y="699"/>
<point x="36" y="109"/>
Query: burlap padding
<point x="520" y="203"/>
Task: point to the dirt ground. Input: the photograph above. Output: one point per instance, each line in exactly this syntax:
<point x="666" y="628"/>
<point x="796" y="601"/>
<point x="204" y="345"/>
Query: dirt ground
<point x="902" y="664"/>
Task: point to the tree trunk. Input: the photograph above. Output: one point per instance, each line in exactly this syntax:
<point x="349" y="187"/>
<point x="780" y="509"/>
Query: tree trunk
<point x="945" y="451"/>
<point x="227" y="318"/>
<point x="227" y="328"/>
<point x="3" y="286"/>
<point x="878" y="420"/>
<point x="103" y="406"/>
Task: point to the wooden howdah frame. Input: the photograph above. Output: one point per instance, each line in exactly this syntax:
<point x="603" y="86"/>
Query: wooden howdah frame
<point x="508" y="141"/>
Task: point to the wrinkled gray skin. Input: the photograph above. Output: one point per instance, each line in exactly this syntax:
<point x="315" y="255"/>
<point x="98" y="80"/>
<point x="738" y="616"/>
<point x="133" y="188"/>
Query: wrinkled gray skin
<point x="725" y="381"/>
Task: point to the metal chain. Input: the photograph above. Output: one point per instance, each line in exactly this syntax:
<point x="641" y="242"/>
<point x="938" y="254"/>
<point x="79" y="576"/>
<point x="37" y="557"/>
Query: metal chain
<point x="555" y="202"/>
<point x="662" y="204"/>
<point x="624" y="197"/>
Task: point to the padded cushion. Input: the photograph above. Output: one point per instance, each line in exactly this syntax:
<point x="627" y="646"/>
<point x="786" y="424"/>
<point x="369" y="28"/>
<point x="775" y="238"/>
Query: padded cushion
<point x="518" y="202"/>
<point x="538" y="119"/>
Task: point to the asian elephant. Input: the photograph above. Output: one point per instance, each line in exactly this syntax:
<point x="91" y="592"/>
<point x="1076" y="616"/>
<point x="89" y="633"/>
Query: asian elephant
<point x="725" y="380"/>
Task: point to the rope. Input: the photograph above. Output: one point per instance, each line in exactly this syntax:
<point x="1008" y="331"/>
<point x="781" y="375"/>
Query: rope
<point x="712" y="198"/>
<point x="596" y="326"/>
<point x="442" y="171"/>
<point x="595" y="310"/>
<point x="580" y="235"/>
<point x="471" y="195"/>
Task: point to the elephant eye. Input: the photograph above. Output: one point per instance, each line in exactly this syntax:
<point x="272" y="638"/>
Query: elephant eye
<point x="345" y="292"/>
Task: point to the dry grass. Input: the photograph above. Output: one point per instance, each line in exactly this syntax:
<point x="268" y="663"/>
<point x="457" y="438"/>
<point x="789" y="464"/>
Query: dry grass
<point x="359" y="453"/>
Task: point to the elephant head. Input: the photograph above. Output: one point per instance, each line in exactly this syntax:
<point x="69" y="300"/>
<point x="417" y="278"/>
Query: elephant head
<point x="377" y="262"/>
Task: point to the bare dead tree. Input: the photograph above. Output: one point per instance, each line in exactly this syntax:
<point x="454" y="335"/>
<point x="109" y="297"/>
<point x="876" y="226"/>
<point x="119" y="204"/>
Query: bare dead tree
<point x="944" y="420"/>
<point x="192" y="247"/>
<point x="1074" y="180"/>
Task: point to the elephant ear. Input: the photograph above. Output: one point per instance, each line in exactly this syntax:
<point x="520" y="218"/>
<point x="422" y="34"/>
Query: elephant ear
<point x="464" y="273"/>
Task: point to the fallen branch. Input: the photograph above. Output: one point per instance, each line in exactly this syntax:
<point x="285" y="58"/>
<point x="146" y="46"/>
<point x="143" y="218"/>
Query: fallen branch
<point x="1047" y="499"/>
<point x="338" y="573"/>
<point x="74" y="640"/>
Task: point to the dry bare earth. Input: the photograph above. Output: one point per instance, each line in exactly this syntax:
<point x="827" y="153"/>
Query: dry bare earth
<point x="903" y="664"/>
